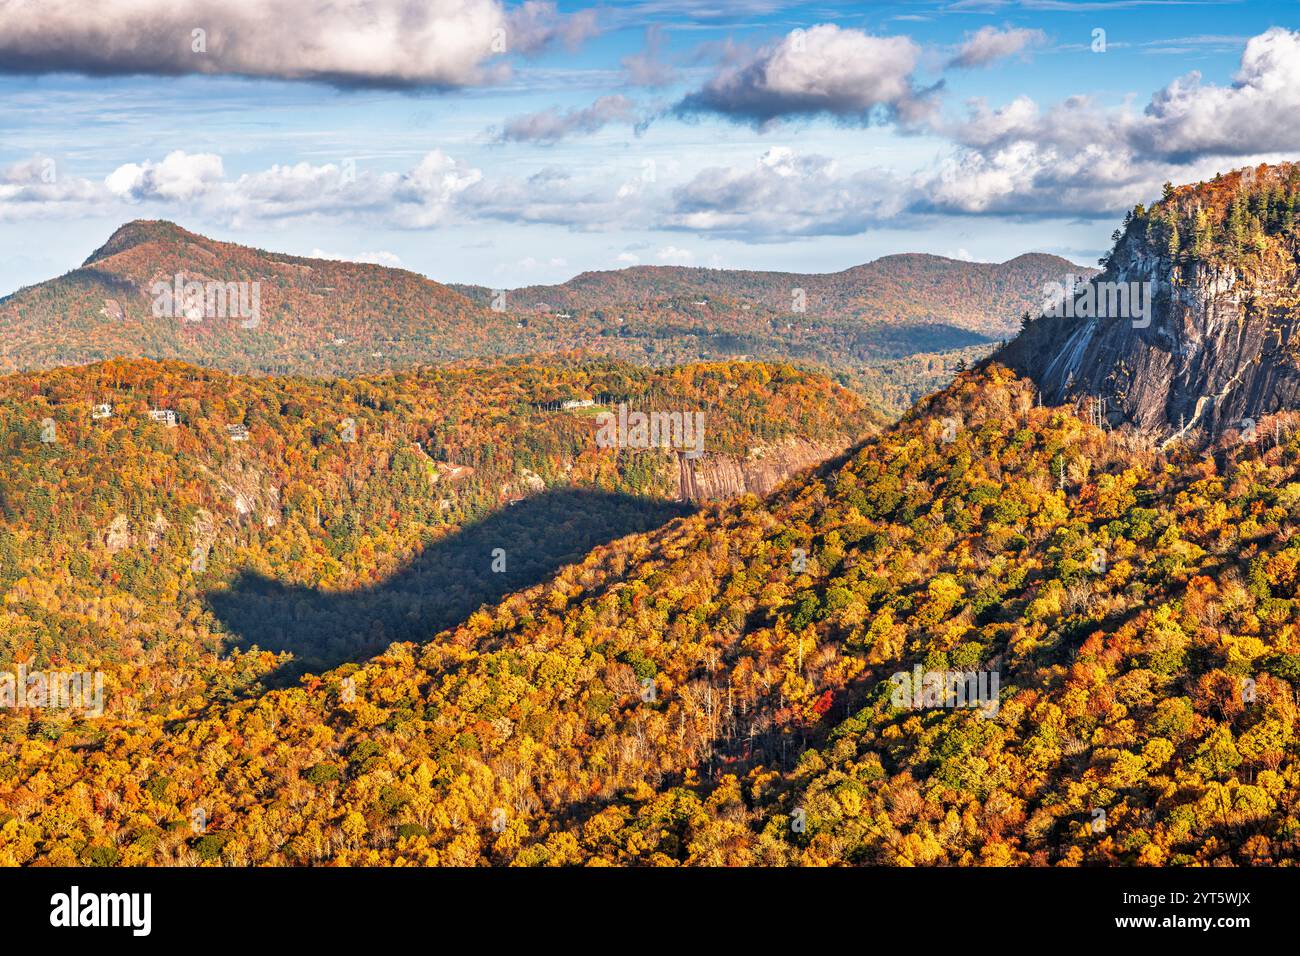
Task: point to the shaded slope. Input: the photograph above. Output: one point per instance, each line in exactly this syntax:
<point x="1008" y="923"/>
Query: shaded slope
<point x="507" y="550"/>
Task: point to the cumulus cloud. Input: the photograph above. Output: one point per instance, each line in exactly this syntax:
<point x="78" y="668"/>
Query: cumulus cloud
<point x="844" y="73"/>
<point x="551" y="126"/>
<point x="1026" y="178"/>
<point x="1078" y="157"/>
<point x="37" y="189"/>
<point x="436" y="43"/>
<point x="1073" y="158"/>
<point x="436" y="190"/>
<point x="420" y="197"/>
<point x="785" y="194"/>
<point x="989" y="44"/>
<point x="673" y="256"/>
<point x="1259" y="112"/>
<point x="180" y="176"/>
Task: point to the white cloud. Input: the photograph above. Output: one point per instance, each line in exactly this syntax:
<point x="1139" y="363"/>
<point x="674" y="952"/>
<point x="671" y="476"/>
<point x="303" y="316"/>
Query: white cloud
<point x="179" y="177"/>
<point x="37" y="188"/>
<point x="1028" y="178"/>
<point x="1079" y="158"/>
<point x="844" y="73"/>
<point x="1073" y="158"/>
<point x="436" y="190"/>
<point x="785" y="194"/>
<point x="420" y="197"/>
<point x="1259" y="112"/>
<point x="382" y="258"/>
<point x="989" y="44"/>
<point x="559" y="197"/>
<point x="672" y="255"/>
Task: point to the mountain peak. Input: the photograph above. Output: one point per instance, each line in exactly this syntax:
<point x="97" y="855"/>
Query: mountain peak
<point x="285" y="312"/>
<point x="1046" y="258"/>
<point x="1190" y="331"/>
<point x="138" y="232"/>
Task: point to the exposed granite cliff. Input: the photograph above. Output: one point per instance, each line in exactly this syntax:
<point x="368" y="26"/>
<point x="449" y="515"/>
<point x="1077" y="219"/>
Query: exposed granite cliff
<point x="1218" y="346"/>
<point x="715" y="477"/>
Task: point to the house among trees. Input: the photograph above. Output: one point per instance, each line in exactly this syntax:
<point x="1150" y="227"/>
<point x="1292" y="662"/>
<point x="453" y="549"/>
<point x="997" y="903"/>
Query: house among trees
<point x="164" y="415"/>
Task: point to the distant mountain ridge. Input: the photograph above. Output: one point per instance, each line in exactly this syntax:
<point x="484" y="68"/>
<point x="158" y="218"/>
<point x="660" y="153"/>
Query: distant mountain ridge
<point x="335" y="318"/>
<point x="906" y="288"/>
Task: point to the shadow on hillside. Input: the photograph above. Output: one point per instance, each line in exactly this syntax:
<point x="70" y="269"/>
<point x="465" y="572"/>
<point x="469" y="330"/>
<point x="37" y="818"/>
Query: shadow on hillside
<point x="447" y="582"/>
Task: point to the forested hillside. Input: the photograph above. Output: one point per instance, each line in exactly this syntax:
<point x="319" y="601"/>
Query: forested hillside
<point x="327" y="519"/>
<point x="873" y="325"/>
<point x="315" y="316"/>
<point x="718" y="691"/>
<point x="900" y="290"/>
<point x="868" y="323"/>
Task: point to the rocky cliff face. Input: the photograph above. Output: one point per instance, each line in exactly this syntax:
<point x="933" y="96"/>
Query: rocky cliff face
<point x="716" y="477"/>
<point x="1218" y="267"/>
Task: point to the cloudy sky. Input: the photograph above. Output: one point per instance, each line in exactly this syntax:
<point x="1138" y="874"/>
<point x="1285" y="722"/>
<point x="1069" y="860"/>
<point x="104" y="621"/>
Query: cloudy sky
<point x="515" y="143"/>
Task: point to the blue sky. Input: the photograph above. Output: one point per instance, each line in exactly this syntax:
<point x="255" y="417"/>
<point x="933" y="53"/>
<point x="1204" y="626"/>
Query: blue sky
<point x="516" y="143"/>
